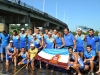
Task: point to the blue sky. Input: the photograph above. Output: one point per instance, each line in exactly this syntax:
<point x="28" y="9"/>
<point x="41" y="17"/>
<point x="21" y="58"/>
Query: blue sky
<point x="77" y="12"/>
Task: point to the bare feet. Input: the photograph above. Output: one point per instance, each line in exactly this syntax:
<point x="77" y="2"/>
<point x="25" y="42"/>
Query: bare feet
<point x="52" y="70"/>
<point x="79" y="74"/>
<point x="98" y="72"/>
<point x="46" y="65"/>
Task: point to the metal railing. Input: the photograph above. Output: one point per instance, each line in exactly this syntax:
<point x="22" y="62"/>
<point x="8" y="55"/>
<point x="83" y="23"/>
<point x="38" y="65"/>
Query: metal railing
<point x="35" y="9"/>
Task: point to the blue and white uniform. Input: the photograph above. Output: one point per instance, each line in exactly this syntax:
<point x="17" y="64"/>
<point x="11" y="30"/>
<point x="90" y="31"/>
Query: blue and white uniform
<point x="50" y="43"/>
<point x="99" y="42"/>
<point x="91" y="40"/>
<point x="38" y="36"/>
<point x="5" y="41"/>
<point x="58" y="42"/>
<point x="11" y="50"/>
<point x="23" y="40"/>
<point x="30" y="38"/>
<point x="80" y="43"/>
<point x="23" y="55"/>
<point x="45" y="37"/>
<point x="16" y="41"/>
<point x="80" y="61"/>
<point x="88" y="55"/>
<point x="36" y="43"/>
<point x="54" y="36"/>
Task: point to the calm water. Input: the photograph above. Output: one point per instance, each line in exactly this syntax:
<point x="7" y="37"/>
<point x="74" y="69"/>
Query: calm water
<point x="44" y="71"/>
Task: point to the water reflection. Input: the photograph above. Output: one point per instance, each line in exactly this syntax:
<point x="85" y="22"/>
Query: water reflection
<point x="45" y="71"/>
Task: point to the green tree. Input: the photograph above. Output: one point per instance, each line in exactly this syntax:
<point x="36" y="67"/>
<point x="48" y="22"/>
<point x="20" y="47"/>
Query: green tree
<point x="96" y="33"/>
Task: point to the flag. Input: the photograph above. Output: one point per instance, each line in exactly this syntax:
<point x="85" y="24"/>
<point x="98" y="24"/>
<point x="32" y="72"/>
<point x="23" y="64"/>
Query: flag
<point x="56" y="57"/>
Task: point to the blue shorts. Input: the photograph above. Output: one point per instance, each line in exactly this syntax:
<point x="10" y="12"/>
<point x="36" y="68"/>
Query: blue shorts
<point x="7" y="57"/>
<point x="25" y="62"/>
<point x="99" y="48"/>
<point x="3" y="49"/>
<point x="22" y="44"/>
<point x="16" y="45"/>
<point x="79" y="49"/>
<point x="82" y="66"/>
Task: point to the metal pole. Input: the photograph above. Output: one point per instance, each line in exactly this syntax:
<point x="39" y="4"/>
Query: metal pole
<point x="56" y="9"/>
<point x="43" y="5"/>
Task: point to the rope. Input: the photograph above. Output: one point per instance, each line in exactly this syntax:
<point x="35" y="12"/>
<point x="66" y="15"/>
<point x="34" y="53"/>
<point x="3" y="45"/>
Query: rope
<point x="20" y="69"/>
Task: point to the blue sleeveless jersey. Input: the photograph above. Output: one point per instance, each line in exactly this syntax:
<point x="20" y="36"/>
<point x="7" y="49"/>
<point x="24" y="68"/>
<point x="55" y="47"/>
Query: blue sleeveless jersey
<point x="15" y="41"/>
<point x="30" y="38"/>
<point x="54" y="36"/>
<point x="23" y="40"/>
<point x="80" y="43"/>
<point x="80" y="40"/>
<point x="23" y="55"/>
<point x="36" y="43"/>
<point x="45" y="37"/>
<point x="58" y="42"/>
<point x="49" y="42"/>
<point x="80" y="61"/>
<point x="38" y="36"/>
<point x="11" y="50"/>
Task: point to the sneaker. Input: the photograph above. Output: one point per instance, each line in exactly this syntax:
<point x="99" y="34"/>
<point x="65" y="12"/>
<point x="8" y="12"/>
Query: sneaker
<point x="91" y="73"/>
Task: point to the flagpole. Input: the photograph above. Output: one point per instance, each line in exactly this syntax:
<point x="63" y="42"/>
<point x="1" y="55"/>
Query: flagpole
<point x="64" y="15"/>
<point x="43" y="5"/>
<point x="56" y="9"/>
<point x="67" y="19"/>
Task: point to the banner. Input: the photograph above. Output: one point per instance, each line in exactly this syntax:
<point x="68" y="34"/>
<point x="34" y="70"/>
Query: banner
<point x="56" y="57"/>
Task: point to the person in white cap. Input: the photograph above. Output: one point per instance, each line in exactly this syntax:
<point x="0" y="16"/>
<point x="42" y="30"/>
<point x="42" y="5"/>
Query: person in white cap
<point x="80" y="39"/>
<point x="23" y="37"/>
<point x="37" y="42"/>
<point x="32" y="53"/>
<point x="11" y="54"/>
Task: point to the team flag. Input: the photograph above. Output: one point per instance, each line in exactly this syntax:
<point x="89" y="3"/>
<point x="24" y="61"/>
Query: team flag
<point x="56" y="57"/>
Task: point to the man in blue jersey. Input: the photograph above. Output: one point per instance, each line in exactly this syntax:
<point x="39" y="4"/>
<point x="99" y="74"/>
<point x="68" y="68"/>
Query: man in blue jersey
<point x="91" y="39"/>
<point x="23" y="37"/>
<point x="55" y="31"/>
<point x="38" y="36"/>
<point x="45" y="36"/>
<point x="69" y="39"/>
<point x="5" y="41"/>
<point x="89" y="58"/>
<point x="75" y="62"/>
<point x="80" y="38"/>
<point x="30" y="37"/>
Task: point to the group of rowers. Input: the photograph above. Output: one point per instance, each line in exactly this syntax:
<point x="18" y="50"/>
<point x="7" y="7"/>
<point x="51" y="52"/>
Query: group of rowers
<point x="27" y="44"/>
